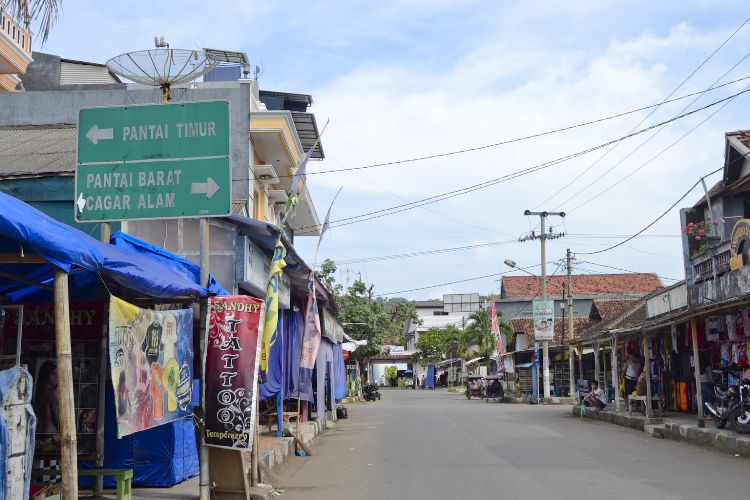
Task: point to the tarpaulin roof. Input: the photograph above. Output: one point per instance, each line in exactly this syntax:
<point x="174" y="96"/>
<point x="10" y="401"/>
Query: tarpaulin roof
<point x="24" y="229"/>
<point x="180" y="264"/>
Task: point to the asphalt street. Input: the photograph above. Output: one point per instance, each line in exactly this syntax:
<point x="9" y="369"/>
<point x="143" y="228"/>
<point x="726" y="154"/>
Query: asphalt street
<point x="438" y="445"/>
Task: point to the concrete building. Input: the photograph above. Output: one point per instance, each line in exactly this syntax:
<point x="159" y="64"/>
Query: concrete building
<point x="38" y="144"/>
<point x="15" y="51"/>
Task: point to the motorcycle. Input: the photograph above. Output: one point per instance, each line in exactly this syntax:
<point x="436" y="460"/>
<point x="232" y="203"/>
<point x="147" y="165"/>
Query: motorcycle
<point x="732" y="405"/>
<point x="371" y="393"/>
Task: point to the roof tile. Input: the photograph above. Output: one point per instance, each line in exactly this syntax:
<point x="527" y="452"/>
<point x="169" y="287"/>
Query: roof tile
<point x="583" y="284"/>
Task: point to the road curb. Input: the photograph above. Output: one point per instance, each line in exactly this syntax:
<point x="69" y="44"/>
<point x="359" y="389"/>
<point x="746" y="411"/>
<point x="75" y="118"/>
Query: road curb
<point x="726" y="441"/>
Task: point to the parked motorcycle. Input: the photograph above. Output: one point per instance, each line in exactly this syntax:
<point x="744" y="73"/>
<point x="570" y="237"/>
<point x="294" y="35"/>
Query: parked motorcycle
<point x="371" y="393"/>
<point x="732" y="405"/>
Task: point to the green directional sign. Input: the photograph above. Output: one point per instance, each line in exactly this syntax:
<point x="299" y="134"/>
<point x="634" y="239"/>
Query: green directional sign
<point x="153" y="161"/>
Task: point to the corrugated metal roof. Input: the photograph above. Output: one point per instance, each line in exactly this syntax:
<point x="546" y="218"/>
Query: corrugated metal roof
<point x="31" y="151"/>
<point x="72" y="73"/>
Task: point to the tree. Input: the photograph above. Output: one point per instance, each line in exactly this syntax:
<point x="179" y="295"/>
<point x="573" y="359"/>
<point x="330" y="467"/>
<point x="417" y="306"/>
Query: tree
<point x="391" y="374"/>
<point x="479" y="333"/>
<point x="438" y="343"/>
<point x="47" y="11"/>
<point x="326" y="274"/>
<point x="401" y="313"/>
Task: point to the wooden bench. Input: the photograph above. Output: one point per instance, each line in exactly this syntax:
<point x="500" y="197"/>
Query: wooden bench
<point x="632" y="400"/>
<point x="124" y="479"/>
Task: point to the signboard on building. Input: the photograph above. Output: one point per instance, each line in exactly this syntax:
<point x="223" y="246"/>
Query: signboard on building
<point x="256" y="273"/>
<point x="544" y="319"/>
<point x="231" y="371"/>
<point x="153" y="161"/>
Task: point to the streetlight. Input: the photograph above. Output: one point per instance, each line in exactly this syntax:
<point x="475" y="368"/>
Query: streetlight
<point x="512" y="264"/>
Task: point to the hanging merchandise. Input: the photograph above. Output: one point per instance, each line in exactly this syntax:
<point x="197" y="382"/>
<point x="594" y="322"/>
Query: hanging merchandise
<point x="231" y="371"/>
<point x="725" y="359"/>
<point x="151" y="355"/>
<point x="713" y="328"/>
<point x="731" y="320"/>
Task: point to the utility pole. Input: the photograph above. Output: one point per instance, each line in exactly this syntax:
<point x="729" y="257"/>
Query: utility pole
<point x="543" y="237"/>
<point x="571" y="365"/>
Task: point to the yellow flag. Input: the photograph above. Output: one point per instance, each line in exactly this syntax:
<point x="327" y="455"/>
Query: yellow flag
<point x="271" y="320"/>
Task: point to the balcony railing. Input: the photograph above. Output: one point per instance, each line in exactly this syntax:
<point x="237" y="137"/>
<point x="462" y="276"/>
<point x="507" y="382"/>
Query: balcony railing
<point x="21" y="36"/>
<point x="708" y="265"/>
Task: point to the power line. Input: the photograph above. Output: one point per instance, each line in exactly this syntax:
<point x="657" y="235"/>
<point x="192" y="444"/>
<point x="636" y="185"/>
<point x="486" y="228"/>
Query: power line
<point x="657" y="155"/>
<point x="522" y="138"/>
<point x="459" y="281"/>
<point x="587" y="169"/>
<point x="423" y="252"/>
<point x="655" y="220"/>
<point x="627" y="270"/>
<point x="475" y="187"/>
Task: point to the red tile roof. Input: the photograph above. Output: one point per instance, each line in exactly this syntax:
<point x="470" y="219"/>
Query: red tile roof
<point x="583" y="284"/>
<point x="526" y="325"/>
<point x="607" y="309"/>
<point x="629" y="315"/>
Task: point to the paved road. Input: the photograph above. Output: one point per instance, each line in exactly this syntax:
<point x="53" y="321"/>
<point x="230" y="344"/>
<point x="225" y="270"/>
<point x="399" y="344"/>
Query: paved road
<point x="438" y="445"/>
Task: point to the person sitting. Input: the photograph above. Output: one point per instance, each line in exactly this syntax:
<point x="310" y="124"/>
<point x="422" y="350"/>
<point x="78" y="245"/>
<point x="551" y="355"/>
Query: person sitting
<point x="596" y="397"/>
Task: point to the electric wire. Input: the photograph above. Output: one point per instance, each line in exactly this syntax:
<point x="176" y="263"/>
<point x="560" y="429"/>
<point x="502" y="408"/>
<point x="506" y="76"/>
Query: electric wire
<point x="657" y="219"/>
<point x="587" y="169"/>
<point x="518" y="139"/>
<point x="423" y="252"/>
<point x="519" y="173"/>
<point x="656" y="156"/>
<point x="627" y="270"/>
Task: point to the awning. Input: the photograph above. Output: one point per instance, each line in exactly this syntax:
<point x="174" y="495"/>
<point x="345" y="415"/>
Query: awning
<point x="44" y="241"/>
<point x="472" y="361"/>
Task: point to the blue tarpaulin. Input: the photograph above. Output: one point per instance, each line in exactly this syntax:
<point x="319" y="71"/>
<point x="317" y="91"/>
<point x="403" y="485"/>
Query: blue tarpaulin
<point x="294" y="325"/>
<point x="339" y="372"/>
<point x="176" y="262"/>
<point x="429" y="380"/>
<point x="160" y="457"/>
<point x="8" y="381"/>
<point x="27" y="230"/>
<point x="275" y="372"/>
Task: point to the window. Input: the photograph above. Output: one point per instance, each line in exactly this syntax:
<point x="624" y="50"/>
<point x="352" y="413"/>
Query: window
<point x="440" y="313"/>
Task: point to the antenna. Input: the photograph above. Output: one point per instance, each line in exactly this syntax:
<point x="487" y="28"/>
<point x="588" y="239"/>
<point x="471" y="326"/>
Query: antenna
<point x="162" y="67"/>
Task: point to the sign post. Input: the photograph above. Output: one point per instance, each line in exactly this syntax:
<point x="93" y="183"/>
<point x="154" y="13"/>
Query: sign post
<point x="153" y="161"/>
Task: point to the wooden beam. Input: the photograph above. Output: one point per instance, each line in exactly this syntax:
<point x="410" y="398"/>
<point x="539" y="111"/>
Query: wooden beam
<point x="66" y="409"/>
<point x="21" y="279"/>
<point x="16" y="258"/>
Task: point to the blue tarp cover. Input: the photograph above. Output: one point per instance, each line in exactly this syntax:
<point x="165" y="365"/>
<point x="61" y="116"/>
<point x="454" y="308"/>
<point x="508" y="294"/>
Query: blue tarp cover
<point x="339" y="372"/>
<point x="70" y="249"/>
<point x="176" y="262"/>
<point x="163" y="456"/>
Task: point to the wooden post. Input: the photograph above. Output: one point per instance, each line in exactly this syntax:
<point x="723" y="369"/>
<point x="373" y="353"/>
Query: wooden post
<point x="596" y="363"/>
<point x="697" y="362"/>
<point x="616" y="372"/>
<point x="205" y="491"/>
<point x="106" y="233"/>
<point x="68" y="447"/>
<point x="647" y="369"/>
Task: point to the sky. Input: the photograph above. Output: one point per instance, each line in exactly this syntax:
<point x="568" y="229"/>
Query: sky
<point x="404" y="79"/>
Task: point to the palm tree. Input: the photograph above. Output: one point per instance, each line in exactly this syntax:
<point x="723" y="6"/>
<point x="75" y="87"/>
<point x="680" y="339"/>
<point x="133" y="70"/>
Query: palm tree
<point x="26" y="11"/>
<point x="479" y="333"/>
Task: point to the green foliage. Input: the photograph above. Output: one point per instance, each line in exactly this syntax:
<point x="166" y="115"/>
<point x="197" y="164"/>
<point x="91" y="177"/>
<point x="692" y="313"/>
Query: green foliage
<point x="438" y="343"/>
<point x="391" y="373"/>
<point x="327" y="275"/>
<point x="374" y="318"/>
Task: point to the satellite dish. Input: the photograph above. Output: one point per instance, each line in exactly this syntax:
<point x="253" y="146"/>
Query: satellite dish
<point x="162" y="67"/>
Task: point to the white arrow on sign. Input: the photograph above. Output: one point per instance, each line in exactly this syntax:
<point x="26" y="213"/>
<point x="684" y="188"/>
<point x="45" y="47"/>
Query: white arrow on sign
<point x="208" y="188"/>
<point x="96" y="134"/>
<point x="81" y="203"/>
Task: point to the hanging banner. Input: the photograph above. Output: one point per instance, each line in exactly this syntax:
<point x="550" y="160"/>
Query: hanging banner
<point x="544" y="320"/>
<point x="231" y="371"/>
<point x="151" y="355"/>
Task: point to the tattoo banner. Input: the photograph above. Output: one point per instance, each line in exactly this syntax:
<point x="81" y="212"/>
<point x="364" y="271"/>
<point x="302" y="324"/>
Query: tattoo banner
<point x="231" y="371"/>
<point x="151" y="355"/>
